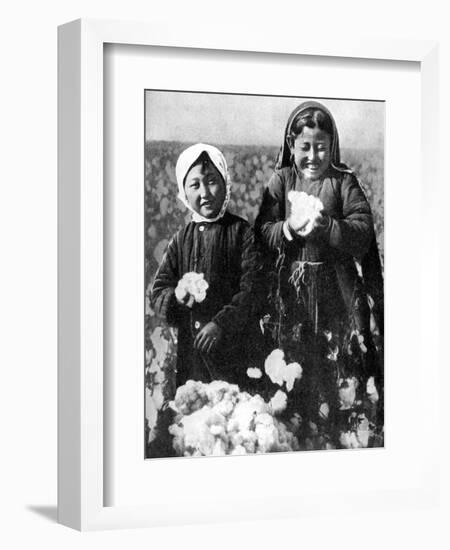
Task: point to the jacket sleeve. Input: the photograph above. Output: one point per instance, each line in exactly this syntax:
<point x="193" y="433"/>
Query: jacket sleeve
<point x="269" y="223"/>
<point x="247" y="301"/>
<point x="162" y="295"/>
<point x="354" y="232"/>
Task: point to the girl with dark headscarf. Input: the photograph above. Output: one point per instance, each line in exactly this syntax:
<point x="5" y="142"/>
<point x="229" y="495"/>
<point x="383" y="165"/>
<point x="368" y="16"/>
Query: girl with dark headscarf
<point x="320" y="295"/>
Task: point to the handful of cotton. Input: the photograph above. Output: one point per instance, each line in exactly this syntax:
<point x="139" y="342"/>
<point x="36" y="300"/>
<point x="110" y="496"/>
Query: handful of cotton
<point x="305" y="211"/>
<point x="191" y="288"/>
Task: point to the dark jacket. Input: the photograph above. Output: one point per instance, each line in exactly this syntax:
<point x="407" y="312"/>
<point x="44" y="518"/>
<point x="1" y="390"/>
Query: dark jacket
<point x="347" y="231"/>
<point x="224" y="251"/>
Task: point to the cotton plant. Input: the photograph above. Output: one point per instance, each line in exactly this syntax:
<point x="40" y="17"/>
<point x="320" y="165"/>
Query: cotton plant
<point x="157" y="358"/>
<point x="218" y="419"/>
<point x="305" y="209"/>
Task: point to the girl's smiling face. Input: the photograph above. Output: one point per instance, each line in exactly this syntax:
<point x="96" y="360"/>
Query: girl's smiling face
<point x="205" y="189"/>
<point x="312" y="152"/>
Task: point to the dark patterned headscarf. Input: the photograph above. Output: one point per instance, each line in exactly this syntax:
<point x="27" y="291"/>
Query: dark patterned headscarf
<point x="284" y="157"/>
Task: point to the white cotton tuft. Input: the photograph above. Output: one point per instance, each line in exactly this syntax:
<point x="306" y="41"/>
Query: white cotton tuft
<point x="305" y="209"/>
<point x="278" y="402"/>
<point x="218" y="419"/>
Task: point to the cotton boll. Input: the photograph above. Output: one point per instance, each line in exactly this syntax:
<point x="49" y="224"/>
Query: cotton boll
<point x="235" y="438"/>
<point x="197" y="435"/>
<point x="305" y="208"/>
<point x="221" y="419"/>
<point x="292" y="372"/>
<point x="178" y="439"/>
<point x="254" y="373"/>
<point x="324" y="411"/>
<point x="245" y="412"/>
<point x="359" y="438"/>
<point x="371" y="390"/>
<point x="356" y="341"/>
<point x="347" y="392"/>
<point x="265" y="419"/>
<point x="278" y="402"/>
<point x="266" y="437"/>
<point x="225" y="407"/>
<point x="249" y="441"/>
<point x="195" y="284"/>
<point x="219" y="448"/>
<point x="216" y="429"/>
<point x="218" y="390"/>
<point x="190" y="397"/>
<point x="363" y="431"/>
<point x="180" y="291"/>
<point x="274" y="366"/>
<point x="274" y="359"/>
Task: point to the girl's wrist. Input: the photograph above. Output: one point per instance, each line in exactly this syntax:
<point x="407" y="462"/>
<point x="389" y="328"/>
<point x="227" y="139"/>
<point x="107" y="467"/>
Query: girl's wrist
<point x="287" y="231"/>
<point x="290" y="233"/>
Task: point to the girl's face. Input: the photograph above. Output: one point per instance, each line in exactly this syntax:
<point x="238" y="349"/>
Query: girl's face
<point x="205" y="189"/>
<point x="312" y="152"/>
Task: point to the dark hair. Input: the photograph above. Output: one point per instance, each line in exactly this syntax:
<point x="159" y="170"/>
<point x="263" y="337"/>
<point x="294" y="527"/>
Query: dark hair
<point x="311" y="118"/>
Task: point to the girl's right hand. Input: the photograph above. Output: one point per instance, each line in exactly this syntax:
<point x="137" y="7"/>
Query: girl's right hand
<point x="183" y="297"/>
<point x="296" y="226"/>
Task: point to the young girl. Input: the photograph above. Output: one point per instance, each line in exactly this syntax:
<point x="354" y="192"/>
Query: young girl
<point x="207" y="284"/>
<point x="321" y="314"/>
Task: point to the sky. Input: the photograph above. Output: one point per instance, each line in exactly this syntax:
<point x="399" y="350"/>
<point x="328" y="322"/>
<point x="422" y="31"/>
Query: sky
<point x="252" y="120"/>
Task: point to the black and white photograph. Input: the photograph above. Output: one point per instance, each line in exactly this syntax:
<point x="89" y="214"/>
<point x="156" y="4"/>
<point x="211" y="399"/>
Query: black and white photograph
<point x="264" y="263"/>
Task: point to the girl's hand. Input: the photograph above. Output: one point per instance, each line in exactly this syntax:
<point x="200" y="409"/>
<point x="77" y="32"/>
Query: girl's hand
<point x="208" y="338"/>
<point x="183" y="297"/>
<point x="311" y="226"/>
<point x="296" y="226"/>
<point x="319" y="223"/>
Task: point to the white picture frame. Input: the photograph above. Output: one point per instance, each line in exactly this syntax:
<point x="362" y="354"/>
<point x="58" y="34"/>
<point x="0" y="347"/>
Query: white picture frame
<point x="81" y="480"/>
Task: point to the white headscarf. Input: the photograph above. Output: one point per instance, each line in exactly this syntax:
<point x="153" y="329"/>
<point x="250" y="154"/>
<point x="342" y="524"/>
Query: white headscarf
<point x="185" y="162"/>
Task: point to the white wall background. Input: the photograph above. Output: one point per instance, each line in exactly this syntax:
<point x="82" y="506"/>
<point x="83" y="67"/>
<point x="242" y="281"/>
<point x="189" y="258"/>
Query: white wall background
<point x="28" y="273"/>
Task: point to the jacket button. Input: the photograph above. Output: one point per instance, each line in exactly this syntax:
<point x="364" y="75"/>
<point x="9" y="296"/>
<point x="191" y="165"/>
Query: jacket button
<point x="197" y="324"/>
<point x="201" y="228"/>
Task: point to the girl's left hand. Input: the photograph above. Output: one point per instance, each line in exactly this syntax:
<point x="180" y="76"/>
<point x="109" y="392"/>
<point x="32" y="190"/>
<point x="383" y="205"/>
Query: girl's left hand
<point x="315" y="227"/>
<point x="208" y="338"/>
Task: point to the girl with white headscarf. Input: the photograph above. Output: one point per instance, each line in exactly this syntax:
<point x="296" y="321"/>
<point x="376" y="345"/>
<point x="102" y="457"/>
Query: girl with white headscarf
<point x="208" y="284"/>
